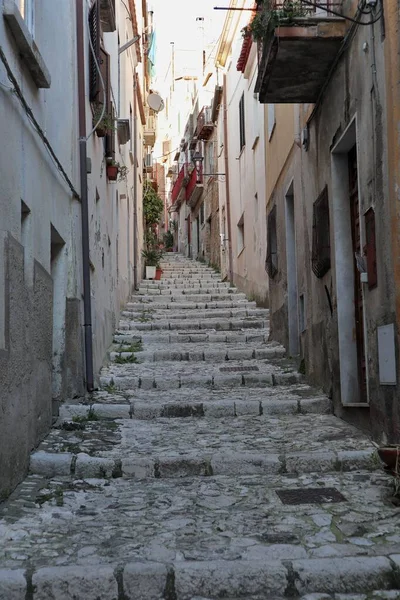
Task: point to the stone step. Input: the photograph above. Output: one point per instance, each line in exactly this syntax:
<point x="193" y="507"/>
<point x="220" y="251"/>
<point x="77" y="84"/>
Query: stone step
<point x="187" y="325"/>
<point x="186" y="298"/>
<point x="202" y="353"/>
<point x="184" y="285"/>
<point x="180" y="406"/>
<point x="175" y="375"/>
<point x="229" y="337"/>
<point x="211" y="313"/>
<point x="170" y="291"/>
<point x="194" y="447"/>
<point x="161" y="283"/>
<point x="149" y="307"/>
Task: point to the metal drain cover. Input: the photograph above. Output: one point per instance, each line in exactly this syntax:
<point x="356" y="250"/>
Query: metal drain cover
<point x="237" y="369"/>
<point x="311" y="496"/>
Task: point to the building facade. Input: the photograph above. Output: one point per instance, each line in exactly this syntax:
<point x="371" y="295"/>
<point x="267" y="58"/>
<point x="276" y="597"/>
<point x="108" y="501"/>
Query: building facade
<point x="324" y="81"/>
<point x="70" y="232"/>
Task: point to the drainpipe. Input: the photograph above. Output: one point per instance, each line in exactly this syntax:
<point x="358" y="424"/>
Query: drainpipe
<point x="135" y="219"/>
<point x="228" y="201"/>
<point x="84" y="196"/>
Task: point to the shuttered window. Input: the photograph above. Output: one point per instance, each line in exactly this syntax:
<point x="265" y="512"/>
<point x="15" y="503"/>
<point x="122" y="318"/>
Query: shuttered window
<point x="321" y="245"/>
<point x="94" y="29"/>
<point x="370" y="248"/>
<point x="241" y="122"/>
<point x="271" y="262"/>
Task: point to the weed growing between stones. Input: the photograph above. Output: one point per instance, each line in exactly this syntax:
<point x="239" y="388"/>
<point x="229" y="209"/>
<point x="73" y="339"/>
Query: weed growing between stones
<point x="90" y="416"/>
<point x="134" y="347"/>
<point x="111" y="388"/>
<point x="123" y="360"/>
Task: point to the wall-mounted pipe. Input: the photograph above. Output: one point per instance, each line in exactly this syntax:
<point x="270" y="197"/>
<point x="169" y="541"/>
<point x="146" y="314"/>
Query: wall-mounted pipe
<point x="228" y="200"/>
<point x="87" y="325"/>
<point x="135" y="186"/>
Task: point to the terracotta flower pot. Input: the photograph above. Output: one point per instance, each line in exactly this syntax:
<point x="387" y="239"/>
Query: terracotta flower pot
<point x="112" y="172"/>
<point x="100" y="132"/>
<point x="158" y="274"/>
<point x="390" y="455"/>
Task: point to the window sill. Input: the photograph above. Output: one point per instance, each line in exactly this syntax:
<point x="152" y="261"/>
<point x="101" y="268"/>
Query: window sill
<point x="26" y="45"/>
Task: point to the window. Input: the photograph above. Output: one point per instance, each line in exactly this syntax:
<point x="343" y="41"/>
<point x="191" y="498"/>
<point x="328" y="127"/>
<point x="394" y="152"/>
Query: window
<point x="271" y="120"/>
<point x="202" y="207"/>
<point x="242" y="123"/>
<point x="240" y="234"/>
<point x="370" y="248"/>
<point x="210" y="158"/>
<point x="26" y="8"/>
<point x="94" y="52"/>
<point x="302" y="312"/>
<point x="321" y="246"/>
<point x="271" y="262"/>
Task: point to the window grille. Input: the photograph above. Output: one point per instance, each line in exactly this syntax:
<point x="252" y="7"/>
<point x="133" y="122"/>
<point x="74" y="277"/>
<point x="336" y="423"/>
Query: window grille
<point x="271" y="262"/>
<point x="321" y="246"/>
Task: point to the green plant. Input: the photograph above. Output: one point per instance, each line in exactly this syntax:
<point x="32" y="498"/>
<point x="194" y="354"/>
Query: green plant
<point x="152" y="256"/>
<point x="168" y="239"/>
<point x="153" y="205"/>
<point x="267" y="17"/>
<point x="107" y="122"/>
<point x="123" y="360"/>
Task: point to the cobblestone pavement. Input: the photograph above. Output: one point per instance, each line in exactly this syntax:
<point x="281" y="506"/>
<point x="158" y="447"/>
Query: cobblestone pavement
<point x="205" y="468"/>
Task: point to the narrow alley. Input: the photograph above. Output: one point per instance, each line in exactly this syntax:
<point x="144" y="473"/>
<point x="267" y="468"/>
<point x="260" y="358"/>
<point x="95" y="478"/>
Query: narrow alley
<point x="204" y="467"/>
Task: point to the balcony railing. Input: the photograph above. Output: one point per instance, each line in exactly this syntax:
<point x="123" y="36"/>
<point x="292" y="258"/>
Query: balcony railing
<point x="178" y="189"/>
<point x="194" y="187"/>
<point x="298" y="50"/>
<point x="205" y="125"/>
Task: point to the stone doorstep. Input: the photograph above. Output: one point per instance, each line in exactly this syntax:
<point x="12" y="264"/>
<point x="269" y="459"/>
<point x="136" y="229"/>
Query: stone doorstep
<point x="145" y="410"/>
<point x="84" y="466"/>
<point x="206" y="580"/>
<point x="252" y="380"/>
<point x="212" y="355"/>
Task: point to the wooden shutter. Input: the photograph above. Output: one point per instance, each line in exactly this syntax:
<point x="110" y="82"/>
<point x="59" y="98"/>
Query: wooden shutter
<point x="321" y="245"/>
<point x="370" y="248"/>
<point x="94" y="29"/>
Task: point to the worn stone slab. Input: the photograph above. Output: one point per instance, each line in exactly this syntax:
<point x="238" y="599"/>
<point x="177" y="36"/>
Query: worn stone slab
<point x="49" y="465"/>
<point x="343" y="575"/>
<point x="229" y="578"/>
<point x="12" y="584"/>
<point x="75" y="583"/>
<point x="145" y="580"/>
<point x="93" y="466"/>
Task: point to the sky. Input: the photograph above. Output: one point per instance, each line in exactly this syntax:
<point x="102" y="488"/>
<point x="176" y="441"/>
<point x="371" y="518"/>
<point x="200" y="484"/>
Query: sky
<point x="175" y="21"/>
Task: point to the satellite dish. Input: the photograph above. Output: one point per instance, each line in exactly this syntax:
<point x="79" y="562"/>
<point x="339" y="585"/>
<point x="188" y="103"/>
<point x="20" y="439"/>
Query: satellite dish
<point x="155" y="102"/>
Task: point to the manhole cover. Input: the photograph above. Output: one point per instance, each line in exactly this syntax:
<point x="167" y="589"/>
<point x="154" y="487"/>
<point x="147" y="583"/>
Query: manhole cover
<point x="310" y="496"/>
<point x="237" y="369"/>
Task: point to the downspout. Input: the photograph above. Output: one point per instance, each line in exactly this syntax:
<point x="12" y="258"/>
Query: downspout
<point x="135" y="219"/>
<point x="228" y="202"/>
<point x="87" y="325"/>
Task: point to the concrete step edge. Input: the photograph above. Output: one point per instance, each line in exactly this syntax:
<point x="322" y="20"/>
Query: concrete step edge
<point x="145" y="410"/>
<point x="208" y="580"/>
<point x="83" y="465"/>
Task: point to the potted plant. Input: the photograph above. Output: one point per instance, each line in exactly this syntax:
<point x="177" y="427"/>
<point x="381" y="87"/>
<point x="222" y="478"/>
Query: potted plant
<point x="116" y="171"/>
<point x="105" y="124"/>
<point x="152" y="257"/>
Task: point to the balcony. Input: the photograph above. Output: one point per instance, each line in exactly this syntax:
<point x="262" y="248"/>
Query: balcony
<point x="194" y="188"/>
<point x="149" y="132"/>
<point x="205" y="125"/>
<point x="178" y="189"/>
<point x="296" y="57"/>
<point x="107" y="15"/>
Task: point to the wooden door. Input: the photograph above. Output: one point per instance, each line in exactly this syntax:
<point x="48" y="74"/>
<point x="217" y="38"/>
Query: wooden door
<point x="358" y="297"/>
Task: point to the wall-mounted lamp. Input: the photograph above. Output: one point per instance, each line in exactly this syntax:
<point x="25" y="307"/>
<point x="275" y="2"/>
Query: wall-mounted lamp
<point x="197" y="160"/>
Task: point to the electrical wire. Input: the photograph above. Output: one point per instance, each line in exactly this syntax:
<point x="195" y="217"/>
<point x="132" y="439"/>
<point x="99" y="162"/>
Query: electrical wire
<point x="28" y="111"/>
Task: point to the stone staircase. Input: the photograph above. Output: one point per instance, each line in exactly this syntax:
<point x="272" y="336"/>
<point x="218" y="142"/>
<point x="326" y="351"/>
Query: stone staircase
<point x="205" y="467"/>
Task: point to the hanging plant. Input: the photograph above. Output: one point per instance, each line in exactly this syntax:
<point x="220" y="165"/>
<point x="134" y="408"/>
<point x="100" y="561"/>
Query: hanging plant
<point x="268" y="17"/>
<point x="153" y="205"/>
